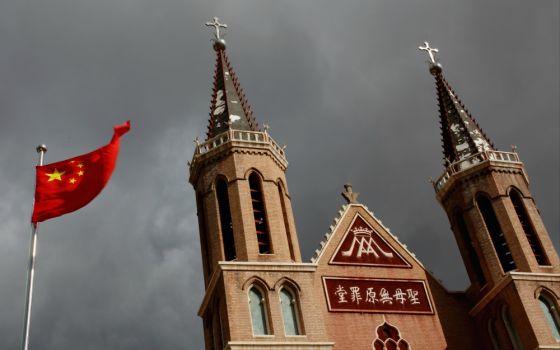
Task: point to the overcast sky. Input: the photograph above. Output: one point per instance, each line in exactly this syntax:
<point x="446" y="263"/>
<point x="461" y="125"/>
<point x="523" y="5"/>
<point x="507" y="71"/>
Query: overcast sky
<point x="341" y="83"/>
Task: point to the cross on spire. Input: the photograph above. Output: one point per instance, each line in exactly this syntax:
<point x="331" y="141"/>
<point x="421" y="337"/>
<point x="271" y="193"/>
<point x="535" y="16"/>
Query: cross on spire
<point x="217" y="25"/>
<point x="430" y="51"/>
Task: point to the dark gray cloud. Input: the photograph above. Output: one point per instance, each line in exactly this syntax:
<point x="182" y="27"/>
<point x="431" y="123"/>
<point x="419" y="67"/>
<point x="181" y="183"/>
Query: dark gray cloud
<point x="342" y="84"/>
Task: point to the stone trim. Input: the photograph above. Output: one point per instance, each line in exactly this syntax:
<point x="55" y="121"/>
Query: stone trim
<point x="285" y="345"/>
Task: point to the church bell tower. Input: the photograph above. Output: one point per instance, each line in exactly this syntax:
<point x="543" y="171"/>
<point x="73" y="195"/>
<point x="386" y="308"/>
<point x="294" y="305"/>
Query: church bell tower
<point x="511" y="262"/>
<point x="251" y="259"/>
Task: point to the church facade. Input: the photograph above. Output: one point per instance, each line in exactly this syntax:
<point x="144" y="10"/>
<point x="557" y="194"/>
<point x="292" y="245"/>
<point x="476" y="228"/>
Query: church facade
<point x="363" y="289"/>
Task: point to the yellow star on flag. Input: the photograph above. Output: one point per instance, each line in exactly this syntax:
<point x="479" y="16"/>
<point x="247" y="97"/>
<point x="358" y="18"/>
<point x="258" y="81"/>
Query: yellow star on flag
<point x="55" y="175"/>
<point x="81" y="173"/>
<point x="72" y="181"/>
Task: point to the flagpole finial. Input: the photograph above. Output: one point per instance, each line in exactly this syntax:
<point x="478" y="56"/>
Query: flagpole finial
<point x="42" y="148"/>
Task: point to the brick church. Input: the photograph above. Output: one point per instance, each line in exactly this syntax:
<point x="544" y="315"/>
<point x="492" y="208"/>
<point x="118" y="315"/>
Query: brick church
<point x="362" y="280"/>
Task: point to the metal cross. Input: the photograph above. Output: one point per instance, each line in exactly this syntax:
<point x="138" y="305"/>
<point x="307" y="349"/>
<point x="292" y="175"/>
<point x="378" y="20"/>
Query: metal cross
<point x="217" y="25"/>
<point x="429" y="50"/>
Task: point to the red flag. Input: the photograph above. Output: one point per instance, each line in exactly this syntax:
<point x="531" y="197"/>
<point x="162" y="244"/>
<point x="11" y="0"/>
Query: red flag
<point x="66" y="186"/>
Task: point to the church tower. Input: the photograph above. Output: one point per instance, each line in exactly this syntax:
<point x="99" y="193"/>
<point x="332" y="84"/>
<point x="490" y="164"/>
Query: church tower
<point x="253" y="272"/>
<point x="511" y="262"/>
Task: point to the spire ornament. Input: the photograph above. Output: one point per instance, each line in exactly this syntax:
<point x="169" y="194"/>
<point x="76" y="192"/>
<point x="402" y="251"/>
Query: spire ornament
<point x="435" y="66"/>
<point x="219" y="42"/>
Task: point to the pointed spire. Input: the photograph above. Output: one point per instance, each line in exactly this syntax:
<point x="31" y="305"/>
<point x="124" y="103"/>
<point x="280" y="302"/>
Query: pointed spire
<point x="229" y="108"/>
<point x="461" y="135"/>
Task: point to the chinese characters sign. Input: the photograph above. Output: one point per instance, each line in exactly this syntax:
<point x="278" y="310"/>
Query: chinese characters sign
<point x="377" y="295"/>
<point x="361" y="245"/>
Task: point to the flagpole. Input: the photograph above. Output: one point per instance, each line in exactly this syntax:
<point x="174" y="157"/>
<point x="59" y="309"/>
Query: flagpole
<point x="41" y="149"/>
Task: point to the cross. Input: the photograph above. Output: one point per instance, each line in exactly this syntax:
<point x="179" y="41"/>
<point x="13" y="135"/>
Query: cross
<point x="216" y="24"/>
<point x="429" y="50"/>
<point x="350" y="196"/>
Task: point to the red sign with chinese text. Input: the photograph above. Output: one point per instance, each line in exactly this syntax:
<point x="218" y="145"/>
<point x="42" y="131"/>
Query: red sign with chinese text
<point x="377" y="295"/>
<point x="361" y="245"/>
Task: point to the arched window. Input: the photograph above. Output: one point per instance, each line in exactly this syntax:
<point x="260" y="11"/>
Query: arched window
<point x="257" y="306"/>
<point x="530" y="233"/>
<point x="492" y="334"/>
<point x="225" y="219"/>
<point x="289" y="306"/>
<point x="471" y="252"/>
<point x="551" y="315"/>
<point x="259" y="212"/>
<point x="496" y="233"/>
<point x="512" y="332"/>
<point x="286" y="222"/>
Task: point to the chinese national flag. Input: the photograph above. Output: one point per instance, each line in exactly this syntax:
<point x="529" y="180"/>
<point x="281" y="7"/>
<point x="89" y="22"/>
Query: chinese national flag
<point x="66" y="186"/>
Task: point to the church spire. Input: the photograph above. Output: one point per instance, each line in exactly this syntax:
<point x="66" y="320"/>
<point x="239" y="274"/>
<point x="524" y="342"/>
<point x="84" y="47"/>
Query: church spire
<point x="229" y="108"/>
<point x="462" y="137"/>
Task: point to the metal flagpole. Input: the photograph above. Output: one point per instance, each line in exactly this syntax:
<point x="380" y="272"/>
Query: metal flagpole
<point x="41" y="149"/>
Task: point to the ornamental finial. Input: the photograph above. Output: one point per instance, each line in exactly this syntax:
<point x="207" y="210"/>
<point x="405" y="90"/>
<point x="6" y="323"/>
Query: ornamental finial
<point x="350" y="196"/>
<point x="219" y="42"/>
<point x="429" y="50"/>
<point x="217" y="25"/>
<point x="435" y="66"/>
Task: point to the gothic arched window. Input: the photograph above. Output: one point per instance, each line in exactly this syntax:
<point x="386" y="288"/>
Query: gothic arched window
<point x="551" y="314"/>
<point x="496" y="234"/>
<point x="225" y="219"/>
<point x="258" y="309"/>
<point x="468" y="244"/>
<point x="289" y="306"/>
<point x="492" y="334"/>
<point x="259" y="213"/>
<point x="286" y="222"/>
<point x="512" y="332"/>
<point x="530" y="233"/>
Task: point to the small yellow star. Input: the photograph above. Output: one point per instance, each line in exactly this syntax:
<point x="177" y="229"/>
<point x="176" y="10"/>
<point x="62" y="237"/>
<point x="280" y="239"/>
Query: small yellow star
<point x="55" y="175"/>
<point x="80" y="165"/>
<point x="81" y="173"/>
<point x="72" y="181"/>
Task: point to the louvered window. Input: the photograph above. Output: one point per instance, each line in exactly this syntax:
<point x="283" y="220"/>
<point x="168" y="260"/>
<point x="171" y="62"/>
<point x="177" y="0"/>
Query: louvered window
<point x="530" y="233"/>
<point x="259" y="213"/>
<point x="471" y="252"/>
<point x="496" y="234"/>
<point x="225" y="220"/>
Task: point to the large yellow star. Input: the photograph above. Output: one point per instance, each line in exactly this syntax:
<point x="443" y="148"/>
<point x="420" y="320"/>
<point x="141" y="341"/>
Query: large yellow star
<point x="55" y="175"/>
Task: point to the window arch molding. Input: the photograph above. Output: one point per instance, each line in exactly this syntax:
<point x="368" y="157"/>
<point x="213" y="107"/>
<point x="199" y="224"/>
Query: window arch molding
<point x="256" y="280"/>
<point x="286" y="281"/>
<point x="250" y="172"/>
<point x="259" y="308"/>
